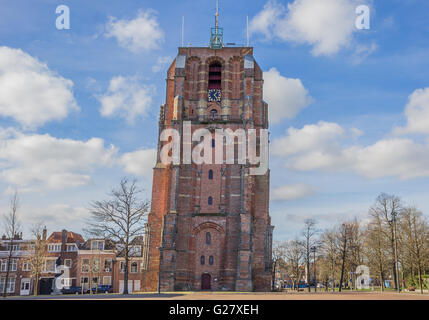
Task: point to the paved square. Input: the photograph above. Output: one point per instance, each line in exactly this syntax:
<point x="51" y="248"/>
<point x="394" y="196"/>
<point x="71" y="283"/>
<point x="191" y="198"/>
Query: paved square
<point x="242" y="296"/>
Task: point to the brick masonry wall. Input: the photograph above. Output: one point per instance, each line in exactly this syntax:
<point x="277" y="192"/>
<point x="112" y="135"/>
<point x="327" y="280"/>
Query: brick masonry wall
<point x="181" y="216"/>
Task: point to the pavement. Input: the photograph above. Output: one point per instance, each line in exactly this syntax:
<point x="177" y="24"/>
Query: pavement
<point x="368" y="295"/>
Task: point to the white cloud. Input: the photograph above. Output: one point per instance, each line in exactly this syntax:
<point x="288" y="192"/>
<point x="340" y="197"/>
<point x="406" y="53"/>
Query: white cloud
<point x="285" y="96"/>
<point x="126" y="98"/>
<point x="401" y="158"/>
<point x="319" y="147"/>
<point x="292" y="192"/>
<point x="363" y="51"/>
<point x="266" y="20"/>
<point x="44" y="161"/>
<point x="140" y="162"/>
<point x="356" y="133"/>
<point x="30" y="92"/>
<point x="417" y="113"/>
<point x="55" y="217"/>
<point x="312" y="137"/>
<point x="7" y="132"/>
<point x="326" y="25"/>
<point x="161" y="62"/>
<point x="140" y="34"/>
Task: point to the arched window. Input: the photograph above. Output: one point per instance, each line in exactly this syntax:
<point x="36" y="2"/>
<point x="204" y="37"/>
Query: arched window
<point x="210" y="201"/>
<point x="134" y="267"/>
<point x="213" y="143"/>
<point x="211" y="260"/>
<point x="203" y="260"/>
<point x="208" y="238"/>
<point x="213" y="114"/>
<point x="215" y="76"/>
<point x="210" y="174"/>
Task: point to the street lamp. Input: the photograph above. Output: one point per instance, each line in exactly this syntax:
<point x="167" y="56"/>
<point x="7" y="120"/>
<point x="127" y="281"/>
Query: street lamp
<point x="395" y="249"/>
<point x="313" y="249"/>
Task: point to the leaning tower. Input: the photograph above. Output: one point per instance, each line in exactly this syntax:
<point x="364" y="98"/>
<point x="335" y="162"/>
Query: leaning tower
<point x="209" y="226"/>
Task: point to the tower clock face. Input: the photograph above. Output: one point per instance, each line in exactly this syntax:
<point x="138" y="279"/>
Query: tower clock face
<point x="214" y="95"/>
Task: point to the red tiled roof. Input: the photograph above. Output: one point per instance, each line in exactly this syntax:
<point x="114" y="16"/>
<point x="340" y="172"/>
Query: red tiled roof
<point x="72" y="237"/>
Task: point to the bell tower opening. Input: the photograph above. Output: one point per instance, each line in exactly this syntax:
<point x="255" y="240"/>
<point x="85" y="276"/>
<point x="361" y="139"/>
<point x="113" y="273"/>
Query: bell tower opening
<point x="215" y="82"/>
<point x="215" y="76"/>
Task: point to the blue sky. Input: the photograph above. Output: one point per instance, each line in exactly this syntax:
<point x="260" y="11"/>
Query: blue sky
<point x="351" y="106"/>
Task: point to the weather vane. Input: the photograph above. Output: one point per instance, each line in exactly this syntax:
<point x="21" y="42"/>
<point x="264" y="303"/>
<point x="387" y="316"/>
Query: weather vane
<point x="216" y="36"/>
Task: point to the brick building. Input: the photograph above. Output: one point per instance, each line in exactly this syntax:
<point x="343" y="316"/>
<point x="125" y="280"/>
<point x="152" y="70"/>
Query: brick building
<point x="20" y="280"/>
<point x="90" y="263"/>
<point x="209" y="226"/>
<point x="95" y="264"/>
<point x="134" y="267"/>
<point x="101" y="262"/>
<point x="62" y="248"/>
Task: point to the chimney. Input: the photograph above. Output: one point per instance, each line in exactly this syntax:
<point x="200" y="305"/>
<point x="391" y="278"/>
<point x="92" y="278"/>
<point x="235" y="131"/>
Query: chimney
<point x="63" y="239"/>
<point x="44" y="234"/>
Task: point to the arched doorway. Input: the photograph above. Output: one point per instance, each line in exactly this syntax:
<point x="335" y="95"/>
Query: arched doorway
<point x="206" y="281"/>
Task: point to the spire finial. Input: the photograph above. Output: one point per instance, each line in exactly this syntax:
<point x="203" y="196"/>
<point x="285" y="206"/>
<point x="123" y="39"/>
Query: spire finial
<point x="217" y="14"/>
<point x="216" y="36"/>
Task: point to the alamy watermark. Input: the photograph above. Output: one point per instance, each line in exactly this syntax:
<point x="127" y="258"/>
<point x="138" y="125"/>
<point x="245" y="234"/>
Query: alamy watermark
<point x="362" y="22"/>
<point x="198" y="147"/>
<point x="63" y="20"/>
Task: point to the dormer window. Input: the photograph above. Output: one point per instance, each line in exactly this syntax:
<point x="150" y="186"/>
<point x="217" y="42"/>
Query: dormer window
<point x="97" y="245"/>
<point x="135" y="251"/>
<point x="12" y="247"/>
<point x="54" y="247"/>
<point x="71" y="248"/>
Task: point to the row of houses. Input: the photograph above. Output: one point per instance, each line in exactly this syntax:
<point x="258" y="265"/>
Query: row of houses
<point x="88" y="263"/>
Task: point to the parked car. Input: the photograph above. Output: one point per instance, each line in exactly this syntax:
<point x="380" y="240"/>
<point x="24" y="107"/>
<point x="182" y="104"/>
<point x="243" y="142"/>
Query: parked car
<point x="72" y="290"/>
<point x="102" y="289"/>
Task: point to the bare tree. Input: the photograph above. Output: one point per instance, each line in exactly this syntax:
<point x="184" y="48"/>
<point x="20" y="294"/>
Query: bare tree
<point x="37" y="253"/>
<point x="377" y="248"/>
<point x="344" y="234"/>
<point x="355" y="254"/>
<point x="309" y="234"/>
<point x="277" y="258"/>
<point x="12" y="228"/>
<point x="294" y="255"/>
<point x="120" y="218"/>
<point x="387" y="208"/>
<point x="330" y="252"/>
<point x="414" y="237"/>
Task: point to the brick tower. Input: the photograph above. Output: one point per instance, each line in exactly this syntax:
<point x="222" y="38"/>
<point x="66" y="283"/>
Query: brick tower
<point x="209" y="226"/>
